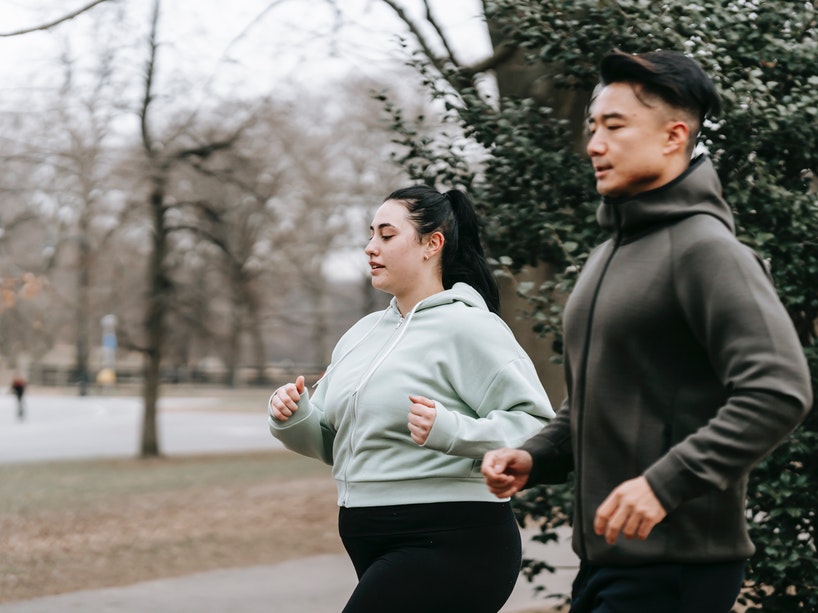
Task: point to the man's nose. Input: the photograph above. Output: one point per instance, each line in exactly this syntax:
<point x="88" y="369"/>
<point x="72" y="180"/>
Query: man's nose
<point x="595" y="144"/>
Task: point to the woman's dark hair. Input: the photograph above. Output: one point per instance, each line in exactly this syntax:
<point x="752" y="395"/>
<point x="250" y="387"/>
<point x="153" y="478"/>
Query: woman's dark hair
<point x="452" y="214"/>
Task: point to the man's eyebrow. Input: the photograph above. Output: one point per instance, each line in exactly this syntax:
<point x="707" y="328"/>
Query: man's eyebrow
<point x="607" y="116"/>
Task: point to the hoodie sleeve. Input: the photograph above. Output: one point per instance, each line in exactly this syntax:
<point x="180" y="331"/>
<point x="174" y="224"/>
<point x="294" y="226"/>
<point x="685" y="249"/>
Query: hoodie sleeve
<point x="306" y="432"/>
<point x="733" y="308"/>
<point x="500" y="385"/>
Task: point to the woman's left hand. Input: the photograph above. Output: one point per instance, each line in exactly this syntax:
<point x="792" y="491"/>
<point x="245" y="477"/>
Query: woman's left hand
<point x="422" y="414"/>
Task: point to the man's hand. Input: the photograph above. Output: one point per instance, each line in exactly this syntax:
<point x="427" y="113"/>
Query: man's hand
<point x="506" y="471"/>
<point x="631" y="509"/>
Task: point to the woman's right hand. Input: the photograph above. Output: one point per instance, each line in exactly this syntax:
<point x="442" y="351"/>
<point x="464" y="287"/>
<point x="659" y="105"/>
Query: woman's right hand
<point x="284" y="401"/>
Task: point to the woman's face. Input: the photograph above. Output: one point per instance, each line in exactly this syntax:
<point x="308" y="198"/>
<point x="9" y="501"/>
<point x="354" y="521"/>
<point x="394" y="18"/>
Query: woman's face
<point x="395" y="254"/>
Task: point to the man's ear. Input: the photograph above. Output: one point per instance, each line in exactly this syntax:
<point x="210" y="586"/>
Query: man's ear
<point x="678" y="134"/>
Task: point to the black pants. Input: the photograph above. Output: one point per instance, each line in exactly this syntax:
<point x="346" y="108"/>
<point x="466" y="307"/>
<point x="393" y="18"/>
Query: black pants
<point x="657" y="588"/>
<point x="20" y="406"/>
<point x="454" y="557"/>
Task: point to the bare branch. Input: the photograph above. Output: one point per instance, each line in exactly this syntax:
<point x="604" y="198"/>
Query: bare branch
<point x="125" y="340"/>
<point x="462" y="76"/>
<point x="253" y="22"/>
<point x="230" y="178"/>
<point x="434" y="23"/>
<point x="51" y="24"/>
<point x="147" y="140"/>
<point x="204" y="234"/>
<point x="205" y="151"/>
<point x="501" y="54"/>
<point x="436" y="60"/>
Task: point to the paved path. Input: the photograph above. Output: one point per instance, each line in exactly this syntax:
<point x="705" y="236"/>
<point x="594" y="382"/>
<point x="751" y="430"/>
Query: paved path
<point x="318" y="584"/>
<point x="72" y="427"/>
<point x="66" y="427"/>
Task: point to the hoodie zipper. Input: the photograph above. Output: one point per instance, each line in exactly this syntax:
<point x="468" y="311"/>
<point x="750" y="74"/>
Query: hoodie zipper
<point x="379" y="358"/>
<point x="583" y="382"/>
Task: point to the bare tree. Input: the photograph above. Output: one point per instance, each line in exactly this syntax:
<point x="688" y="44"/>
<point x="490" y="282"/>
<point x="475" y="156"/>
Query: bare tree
<point x="226" y="204"/>
<point x="162" y="159"/>
<point x="82" y="162"/>
<point x="54" y="22"/>
<point x="301" y="186"/>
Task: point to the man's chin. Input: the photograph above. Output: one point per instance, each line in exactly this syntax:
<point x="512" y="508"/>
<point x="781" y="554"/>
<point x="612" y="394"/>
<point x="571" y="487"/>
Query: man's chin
<point x="610" y="191"/>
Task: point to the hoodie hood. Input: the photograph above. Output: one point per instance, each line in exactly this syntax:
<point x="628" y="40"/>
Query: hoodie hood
<point x="696" y="191"/>
<point x="459" y="292"/>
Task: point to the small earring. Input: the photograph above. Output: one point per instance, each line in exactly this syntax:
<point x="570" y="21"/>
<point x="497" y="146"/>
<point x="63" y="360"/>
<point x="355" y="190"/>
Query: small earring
<point x="425" y="258"/>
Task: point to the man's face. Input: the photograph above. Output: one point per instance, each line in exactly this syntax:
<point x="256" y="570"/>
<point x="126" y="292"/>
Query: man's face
<point x="628" y="142"/>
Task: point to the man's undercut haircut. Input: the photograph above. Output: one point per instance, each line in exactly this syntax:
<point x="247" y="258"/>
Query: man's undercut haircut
<point x="670" y="76"/>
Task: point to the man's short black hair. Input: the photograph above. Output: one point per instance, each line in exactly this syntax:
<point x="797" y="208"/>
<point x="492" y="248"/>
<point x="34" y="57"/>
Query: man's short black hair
<point x="671" y="76"/>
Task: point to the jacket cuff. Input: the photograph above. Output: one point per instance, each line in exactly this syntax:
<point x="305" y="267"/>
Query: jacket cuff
<point x="671" y="483"/>
<point x="441" y="434"/>
<point x="303" y="412"/>
<point x="549" y="467"/>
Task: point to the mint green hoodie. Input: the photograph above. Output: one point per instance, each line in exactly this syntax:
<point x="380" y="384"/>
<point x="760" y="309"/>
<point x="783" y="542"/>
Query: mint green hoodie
<point x="451" y="349"/>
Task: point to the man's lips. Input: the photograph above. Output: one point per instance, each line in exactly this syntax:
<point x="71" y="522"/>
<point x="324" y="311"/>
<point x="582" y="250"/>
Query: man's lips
<point x="600" y="170"/>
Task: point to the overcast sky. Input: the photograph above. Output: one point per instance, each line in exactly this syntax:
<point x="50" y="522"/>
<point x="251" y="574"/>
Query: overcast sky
<point x="243" y="43"/>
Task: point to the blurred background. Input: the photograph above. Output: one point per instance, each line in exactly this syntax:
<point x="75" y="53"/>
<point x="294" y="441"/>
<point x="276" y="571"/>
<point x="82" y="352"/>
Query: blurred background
<point x="185" y="194"/>
<point x="207" y="169"/>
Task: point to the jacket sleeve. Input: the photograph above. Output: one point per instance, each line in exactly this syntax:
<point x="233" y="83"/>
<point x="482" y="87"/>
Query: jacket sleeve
<point x="732" y="307"/>
<point x="509" y="400"/>
<point x="551" y="450"/>
<point x="306" y="432"/>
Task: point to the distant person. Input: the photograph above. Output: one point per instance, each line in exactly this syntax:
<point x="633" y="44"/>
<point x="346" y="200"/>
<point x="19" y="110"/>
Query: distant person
<point x="18" y="386"/>
<point x="683" y="368"/>
<point x="413" y="398"/>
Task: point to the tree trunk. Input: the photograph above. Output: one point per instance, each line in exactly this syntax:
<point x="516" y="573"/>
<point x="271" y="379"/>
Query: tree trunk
<point x="323" y="350"/>
<point x="518" y="78"/>
<point x="234" y="337"/>
<point x="82" y="309"/>
<point x="258" y="345"/>
<point x="158" y="284"/>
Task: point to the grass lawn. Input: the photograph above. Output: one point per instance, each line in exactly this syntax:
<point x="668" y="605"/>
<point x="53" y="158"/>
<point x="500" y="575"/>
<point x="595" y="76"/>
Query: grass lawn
<point x="74" y="525"/>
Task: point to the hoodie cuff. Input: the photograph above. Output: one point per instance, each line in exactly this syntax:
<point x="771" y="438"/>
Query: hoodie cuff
<point x="303" y="412"/>
<point x="442" y="432"/>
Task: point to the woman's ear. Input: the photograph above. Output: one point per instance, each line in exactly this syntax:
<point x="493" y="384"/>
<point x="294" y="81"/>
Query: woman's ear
<point x="434" y="244"/>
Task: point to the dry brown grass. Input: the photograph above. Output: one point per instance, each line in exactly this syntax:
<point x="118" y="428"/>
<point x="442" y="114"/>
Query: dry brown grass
<point x="80" y="525"/>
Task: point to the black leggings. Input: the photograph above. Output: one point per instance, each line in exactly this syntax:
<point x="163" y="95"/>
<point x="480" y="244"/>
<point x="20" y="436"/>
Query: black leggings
<point x="448" y="557"/>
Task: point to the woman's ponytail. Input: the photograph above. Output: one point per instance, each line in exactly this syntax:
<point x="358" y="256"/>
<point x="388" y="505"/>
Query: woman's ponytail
<point x="465" y="260"/>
